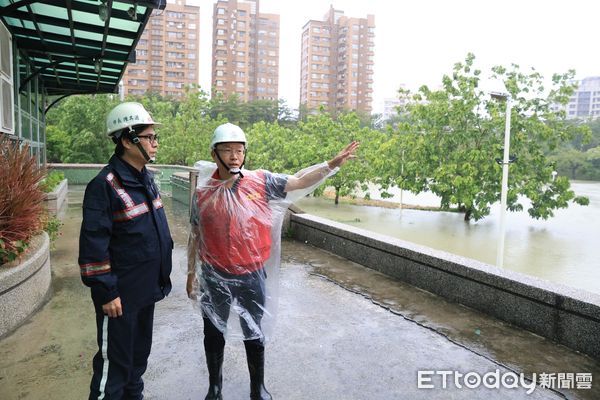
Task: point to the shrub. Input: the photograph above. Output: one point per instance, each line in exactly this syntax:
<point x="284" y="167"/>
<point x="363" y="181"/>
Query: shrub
<point x="51" y="181"/>
<point x="52" y="226"/>
<point x="21" y="209"/>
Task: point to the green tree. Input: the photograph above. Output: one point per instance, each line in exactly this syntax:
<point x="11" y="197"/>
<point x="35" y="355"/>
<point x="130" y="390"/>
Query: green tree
<point x="595" y="134"/>
<point x="321" y="137"/>
<point x="573" y="158"/>
<point x="245" y="114"/>
<point x="260" y="110"/>
<point x="285" y="115"/>
<point x="163" y="109"/>
<point x="230" y="108"/>
<point x="569" y="161"/>
<point x="185" y="138"/>
<point x="589" y="139"/>
<point x="57" y="144"/>
<point x="593" y="158"/>
<point x="452" y="137"/>
<point x="287" y="149"/>
<point x="78" y="126"/>
<point x="272" y="147"/>
<point x="591" y="151"/>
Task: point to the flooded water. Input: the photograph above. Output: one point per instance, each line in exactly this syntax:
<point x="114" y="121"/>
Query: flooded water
<point x="562" y="249"/>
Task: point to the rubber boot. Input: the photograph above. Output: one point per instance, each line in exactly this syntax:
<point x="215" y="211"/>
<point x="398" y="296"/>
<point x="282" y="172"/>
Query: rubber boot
<point x="255" y="353"/>
<point x="214" y="362"/>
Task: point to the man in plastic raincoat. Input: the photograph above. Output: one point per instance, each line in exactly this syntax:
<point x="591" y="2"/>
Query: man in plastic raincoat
<point x="231" y="240"/>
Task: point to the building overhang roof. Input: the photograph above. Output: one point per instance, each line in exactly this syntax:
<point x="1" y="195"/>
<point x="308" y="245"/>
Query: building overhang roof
<point x="71" y="49"/>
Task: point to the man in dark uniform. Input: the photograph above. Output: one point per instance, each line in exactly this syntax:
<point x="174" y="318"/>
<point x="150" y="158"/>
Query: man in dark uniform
<point x="125" y="254"/>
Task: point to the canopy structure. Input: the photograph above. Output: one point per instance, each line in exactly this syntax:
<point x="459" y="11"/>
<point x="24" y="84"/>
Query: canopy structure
<point x="76" y="46"/>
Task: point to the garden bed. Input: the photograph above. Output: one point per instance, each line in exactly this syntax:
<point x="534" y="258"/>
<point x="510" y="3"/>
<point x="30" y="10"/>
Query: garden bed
<point x="56" y="201"/>
<point x="24" y="284"/>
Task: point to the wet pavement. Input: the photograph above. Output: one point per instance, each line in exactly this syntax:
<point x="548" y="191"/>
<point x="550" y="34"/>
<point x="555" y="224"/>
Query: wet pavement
<point x="343" y="332"/>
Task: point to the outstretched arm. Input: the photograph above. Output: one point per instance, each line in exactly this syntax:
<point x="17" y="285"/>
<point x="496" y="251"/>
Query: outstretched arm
<point x="314" y="176"/>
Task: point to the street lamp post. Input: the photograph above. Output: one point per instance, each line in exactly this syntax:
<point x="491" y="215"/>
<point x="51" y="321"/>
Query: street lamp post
<point x="504" y="189"/>
<point x="402" y="175"/>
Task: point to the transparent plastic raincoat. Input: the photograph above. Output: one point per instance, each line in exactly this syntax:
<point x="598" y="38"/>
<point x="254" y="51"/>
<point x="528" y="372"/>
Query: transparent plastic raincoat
<point x="235" y="239"/>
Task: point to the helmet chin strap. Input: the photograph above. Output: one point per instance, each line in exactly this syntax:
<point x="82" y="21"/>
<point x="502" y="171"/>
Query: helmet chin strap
<point x="136" y="140"/>
<point x="232" y="171"/>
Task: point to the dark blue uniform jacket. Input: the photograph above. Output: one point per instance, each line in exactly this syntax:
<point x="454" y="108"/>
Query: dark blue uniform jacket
<point x="124" y="245"/>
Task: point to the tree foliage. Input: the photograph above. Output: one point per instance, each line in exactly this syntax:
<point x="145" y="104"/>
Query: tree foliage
<point x="451" y="138"/>
<point x="185" y="136"/>
<point x="578" y="158"/>
<point x="245" y="114"/>
<point x="321" y="137"/>
<point x="76" y="129"/>
<point x="318" y="139"/>
<point x="444" y="140"/>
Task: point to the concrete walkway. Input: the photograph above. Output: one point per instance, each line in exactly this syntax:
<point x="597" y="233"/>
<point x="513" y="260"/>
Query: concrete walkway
<point x="343" y="332"/>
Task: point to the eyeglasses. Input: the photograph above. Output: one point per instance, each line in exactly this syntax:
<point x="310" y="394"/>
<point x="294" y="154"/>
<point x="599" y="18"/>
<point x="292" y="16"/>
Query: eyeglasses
<point x="150" y="138"/>
<point x="227" y="151"/>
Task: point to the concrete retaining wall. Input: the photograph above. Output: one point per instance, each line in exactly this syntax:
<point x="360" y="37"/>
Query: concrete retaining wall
<point x="24" y="284"/>
<point x="568" y="316"/>
<point x="56" y="200"/>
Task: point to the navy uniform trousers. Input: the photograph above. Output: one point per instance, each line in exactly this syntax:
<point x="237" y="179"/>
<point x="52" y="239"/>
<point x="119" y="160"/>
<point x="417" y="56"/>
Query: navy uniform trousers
<point x="126" y="341"/>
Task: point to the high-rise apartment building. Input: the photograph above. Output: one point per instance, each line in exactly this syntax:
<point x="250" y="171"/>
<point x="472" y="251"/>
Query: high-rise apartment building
<point x="585" y="102"/>
<point x="390" y="107"/>
<point x="245" y="56"/>
<point x="167" y="52"/>
<point x="337" y="62"/>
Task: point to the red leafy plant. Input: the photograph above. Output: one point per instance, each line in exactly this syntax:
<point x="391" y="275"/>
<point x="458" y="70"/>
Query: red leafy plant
<point x="22" y="213"/>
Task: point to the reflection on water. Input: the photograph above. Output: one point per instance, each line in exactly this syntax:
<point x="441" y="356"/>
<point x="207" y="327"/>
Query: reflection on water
<point x="561" y="249"/>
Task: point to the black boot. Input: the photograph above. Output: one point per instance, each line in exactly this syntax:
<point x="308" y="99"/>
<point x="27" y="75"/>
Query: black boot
<point x="255" y="353"/>
<point x="214" y="362"/>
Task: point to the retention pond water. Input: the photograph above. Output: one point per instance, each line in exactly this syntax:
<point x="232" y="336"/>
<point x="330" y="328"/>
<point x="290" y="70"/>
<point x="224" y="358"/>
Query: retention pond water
<point x="563" y="249"/>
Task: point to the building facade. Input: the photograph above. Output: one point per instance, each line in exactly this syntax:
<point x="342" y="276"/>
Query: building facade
<point x="245" y="51"/>
<point x="167" y="58"/>
<point x="390" y="107"/>
<point x="585" y="102"/>
<point x="337" y="63"/>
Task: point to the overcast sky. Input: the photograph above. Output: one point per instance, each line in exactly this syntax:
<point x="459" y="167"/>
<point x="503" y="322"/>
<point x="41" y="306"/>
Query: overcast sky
<point x="417" y="41"/>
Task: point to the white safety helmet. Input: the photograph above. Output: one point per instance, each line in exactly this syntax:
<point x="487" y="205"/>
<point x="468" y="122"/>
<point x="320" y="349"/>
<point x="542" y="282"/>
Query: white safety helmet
<point x="127" y="115"/>
<point x="228" y="133"/>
